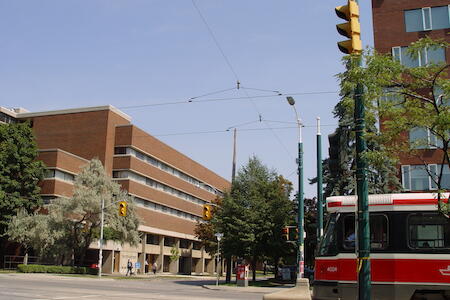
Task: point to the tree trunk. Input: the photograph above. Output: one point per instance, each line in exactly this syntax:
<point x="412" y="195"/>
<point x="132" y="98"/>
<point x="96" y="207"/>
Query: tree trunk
<point x="229" y="268"/>
<point x="253" y="268"/>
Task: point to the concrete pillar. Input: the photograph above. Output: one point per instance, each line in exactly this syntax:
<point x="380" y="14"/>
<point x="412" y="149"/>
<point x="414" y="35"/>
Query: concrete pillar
<point x="202" y="260"/>
<point x="174" y="265"/>
<point x="142" y="256"/>
<point x="160" y="258"/>
<point x="107" y="266"/>
<point x="190" y="257"/>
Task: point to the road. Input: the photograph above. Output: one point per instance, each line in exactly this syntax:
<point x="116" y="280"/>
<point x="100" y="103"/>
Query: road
<point x="15" y="286"/>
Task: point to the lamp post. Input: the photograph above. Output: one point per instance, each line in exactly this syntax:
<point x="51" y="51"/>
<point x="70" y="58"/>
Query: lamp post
<point x="100" y="251"/>
<point x="319" y="184"/>
<point x="219" y="237"/>
<point x="300" y="241"/>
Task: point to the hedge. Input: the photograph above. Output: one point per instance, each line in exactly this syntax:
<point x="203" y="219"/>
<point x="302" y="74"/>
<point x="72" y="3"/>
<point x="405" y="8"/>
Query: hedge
<point x="56" y="269"/>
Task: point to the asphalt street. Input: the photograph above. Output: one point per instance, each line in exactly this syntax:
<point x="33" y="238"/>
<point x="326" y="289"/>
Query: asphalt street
<point x="15" y="286"/>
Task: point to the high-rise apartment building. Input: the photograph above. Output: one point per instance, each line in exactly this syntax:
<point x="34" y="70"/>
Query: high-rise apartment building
<point x="396" y="24"/>
<point x="169" y="188"/>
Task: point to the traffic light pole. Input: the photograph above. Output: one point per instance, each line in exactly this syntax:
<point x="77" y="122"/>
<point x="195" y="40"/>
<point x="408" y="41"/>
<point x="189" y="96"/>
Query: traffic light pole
<point x="363" y="262"/>
<point x="301" y="210"/>
<point x="319" y="184"/>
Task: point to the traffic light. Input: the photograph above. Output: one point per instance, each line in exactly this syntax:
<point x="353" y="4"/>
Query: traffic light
<point x="122" y="209"/>
<point x="285" y="233"/>
<point x="350" y="29"/>
<point x="293" y="234"/>
<point x="207" y="212"/>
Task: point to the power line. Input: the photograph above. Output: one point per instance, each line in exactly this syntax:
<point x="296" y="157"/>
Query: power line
<point x="191" y="100"/>
<point x="215" y="40"/>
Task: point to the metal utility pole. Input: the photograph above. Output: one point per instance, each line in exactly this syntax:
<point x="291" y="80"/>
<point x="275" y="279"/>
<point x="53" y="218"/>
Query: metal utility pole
<point x="233" y="170"/>
<point x="319" y="184"/>
<point x="352" y="30"/>
<point x="300" y="198"/>
<point x="363" y="263"/>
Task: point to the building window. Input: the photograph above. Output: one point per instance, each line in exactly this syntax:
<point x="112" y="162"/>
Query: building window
<point x="417" y="177"/>
<point x="184" y="244"/>
<point x="169" y="241"/>
<point x="428" y="56"/>
<point x="120" y="150"/>
<point x="57" y="174"/>
<point x="197" y="246"/>
<point x="152" y="239"/>
<point x="427" y="18"/>
<point x="423" y="138"/>
<point x="428" y="231"/>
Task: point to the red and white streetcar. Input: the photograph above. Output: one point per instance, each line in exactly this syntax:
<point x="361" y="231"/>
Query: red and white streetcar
<point x="410" y="249"/>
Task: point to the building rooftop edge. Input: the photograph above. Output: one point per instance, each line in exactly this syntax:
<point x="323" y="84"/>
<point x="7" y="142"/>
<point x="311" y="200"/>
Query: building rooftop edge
<point x="73" y="111"/>
<point x="63" y="151"/>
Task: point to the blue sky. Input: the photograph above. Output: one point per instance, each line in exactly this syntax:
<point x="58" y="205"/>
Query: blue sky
<point x="64" y="54"/>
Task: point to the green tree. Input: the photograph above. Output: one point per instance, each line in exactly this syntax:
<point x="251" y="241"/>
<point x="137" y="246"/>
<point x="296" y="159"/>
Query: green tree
<point x="71" y="224"/>
<point x="20" y="173"/>
<point x="252" y="215"/>
<point x="406" y="99"/>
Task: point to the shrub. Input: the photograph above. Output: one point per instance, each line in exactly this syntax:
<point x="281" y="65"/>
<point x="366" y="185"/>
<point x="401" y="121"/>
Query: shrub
<point x="56" y="269"/>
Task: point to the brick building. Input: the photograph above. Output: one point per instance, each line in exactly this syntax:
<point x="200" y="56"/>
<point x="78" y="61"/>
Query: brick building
<point x="168" y="187"/>
<point x="396" y="24"/>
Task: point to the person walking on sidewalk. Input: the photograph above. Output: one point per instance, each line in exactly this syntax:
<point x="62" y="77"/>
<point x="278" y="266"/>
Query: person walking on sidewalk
<point x="154" y="267"/>
<point x="129" y="268"/>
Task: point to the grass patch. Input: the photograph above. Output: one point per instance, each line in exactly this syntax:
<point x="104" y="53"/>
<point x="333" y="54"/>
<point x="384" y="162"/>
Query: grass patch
<point x="259" y="283"/>
<point x="5" y="271"/>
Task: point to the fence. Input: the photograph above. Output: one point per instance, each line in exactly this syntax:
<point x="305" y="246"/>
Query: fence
<point x="10" y="262"/>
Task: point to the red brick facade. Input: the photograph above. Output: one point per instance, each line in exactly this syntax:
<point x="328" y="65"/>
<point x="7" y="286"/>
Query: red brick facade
<point x="390" y="31"/>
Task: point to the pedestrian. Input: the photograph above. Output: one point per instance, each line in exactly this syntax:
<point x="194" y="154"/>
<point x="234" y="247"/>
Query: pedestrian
<point x="146" y="266"/>
<point x="154" y="267"/>
<point x="129" y="268"/>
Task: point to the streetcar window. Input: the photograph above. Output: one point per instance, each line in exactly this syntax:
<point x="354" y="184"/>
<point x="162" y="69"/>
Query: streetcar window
<point x="328" y="243"/>
<point x="428" y="231"/>
<point x="378" y="232"/>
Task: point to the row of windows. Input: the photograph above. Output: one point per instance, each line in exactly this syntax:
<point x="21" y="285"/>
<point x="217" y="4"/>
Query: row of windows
<point x="393" y="94"/>
<point x="153" y="239"/>
<point x="165" y="209"/>
<point x="425" y="231"/>
<point x="423" y="58"/>
<point x="417" y="177"/>
<point x="5" y="118"/>
<point x="158" y="185"/>
<point x="427" y="18"/>
<point x="165" y="167"/>
<point x="58" y="174"/>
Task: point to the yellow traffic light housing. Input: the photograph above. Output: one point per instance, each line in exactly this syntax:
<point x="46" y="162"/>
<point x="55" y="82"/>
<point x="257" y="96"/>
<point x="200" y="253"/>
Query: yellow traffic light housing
<point x="122" y="208"/>
<point x="350" y="29"/>
<point x="207" y="212"/>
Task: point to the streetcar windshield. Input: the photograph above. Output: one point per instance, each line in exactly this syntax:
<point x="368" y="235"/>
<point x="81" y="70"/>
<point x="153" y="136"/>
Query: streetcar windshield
<point x="328" y="244"/>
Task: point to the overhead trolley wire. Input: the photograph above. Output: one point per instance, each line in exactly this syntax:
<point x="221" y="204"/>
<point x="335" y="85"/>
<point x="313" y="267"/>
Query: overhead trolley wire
<point x="193" y="99"/>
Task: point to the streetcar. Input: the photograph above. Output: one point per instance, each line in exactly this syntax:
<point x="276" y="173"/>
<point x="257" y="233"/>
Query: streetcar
<point x="410" y="249"/>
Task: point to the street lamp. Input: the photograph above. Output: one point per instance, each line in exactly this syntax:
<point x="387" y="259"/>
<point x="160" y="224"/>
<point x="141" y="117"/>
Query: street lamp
<point x="219" y="237"/>
<point x="300" y="199"/>
<point x="100" y="251"/>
